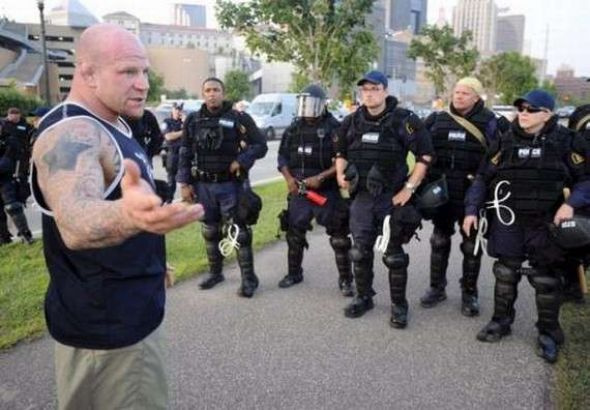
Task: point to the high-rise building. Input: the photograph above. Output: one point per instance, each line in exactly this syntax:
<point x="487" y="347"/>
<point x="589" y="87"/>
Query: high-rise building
<point x="193" y="15"/>
<point x="405" y="14"/>
<point x="510" y="33"/>
<point x="479" y="17"/>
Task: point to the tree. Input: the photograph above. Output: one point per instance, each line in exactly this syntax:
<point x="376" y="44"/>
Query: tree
<point x="508" y="75"/>
<point x="326" y="40"/>
<point x="156" y="82"/>
<point x="446" y="57"/>
<point x="237" y="85"/>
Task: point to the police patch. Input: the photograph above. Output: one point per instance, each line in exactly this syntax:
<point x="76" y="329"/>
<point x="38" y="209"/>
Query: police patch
<point x="577" y="159"/>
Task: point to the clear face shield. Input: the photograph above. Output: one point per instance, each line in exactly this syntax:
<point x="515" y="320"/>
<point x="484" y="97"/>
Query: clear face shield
<point x="309" y="106"/>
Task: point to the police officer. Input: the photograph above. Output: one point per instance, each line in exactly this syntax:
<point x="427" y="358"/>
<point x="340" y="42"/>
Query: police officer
<point x="147" y="132"/>
<point x="172" y="140"/>
<point x="460" y="137"/>
<point x="219" y="146"/>
<point x="306" y="161"/>
<point x="526" y="172"/>
<point x="371" y="149"/>
<point x="14" y="138"/>
<point x="579" y="121"/>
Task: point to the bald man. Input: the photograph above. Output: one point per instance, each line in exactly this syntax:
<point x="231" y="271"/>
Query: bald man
<point x="103" y="229"/>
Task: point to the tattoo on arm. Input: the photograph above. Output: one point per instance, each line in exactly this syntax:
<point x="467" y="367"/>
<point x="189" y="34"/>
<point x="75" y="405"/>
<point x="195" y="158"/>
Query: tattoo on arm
<point x="73" y="161"/>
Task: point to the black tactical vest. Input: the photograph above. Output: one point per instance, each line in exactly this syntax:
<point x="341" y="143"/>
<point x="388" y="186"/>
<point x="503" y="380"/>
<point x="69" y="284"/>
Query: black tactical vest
<point x="536" y="172"/>
<point x="310" y="147"/>
<point x="377" y="143"/>
<point x="458" y="152"/>
<point x="215" y="141"/>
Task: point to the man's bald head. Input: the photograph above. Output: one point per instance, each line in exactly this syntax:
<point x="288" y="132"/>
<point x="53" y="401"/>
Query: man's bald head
<point x="111" y="74"/>
<point x="103" y="43"/>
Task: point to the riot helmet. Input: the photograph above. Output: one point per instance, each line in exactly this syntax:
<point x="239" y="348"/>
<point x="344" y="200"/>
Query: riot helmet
<point x="432" y="196"/>
<point x="572" y="233"/>
<point x="311" y="102"/>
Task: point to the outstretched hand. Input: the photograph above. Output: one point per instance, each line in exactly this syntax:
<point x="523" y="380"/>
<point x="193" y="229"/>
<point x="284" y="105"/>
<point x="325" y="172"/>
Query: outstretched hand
<point x="143" y="208"/>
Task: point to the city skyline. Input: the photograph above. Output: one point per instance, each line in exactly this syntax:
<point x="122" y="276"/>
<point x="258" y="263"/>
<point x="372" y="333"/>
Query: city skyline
<point x="567" y="17"/>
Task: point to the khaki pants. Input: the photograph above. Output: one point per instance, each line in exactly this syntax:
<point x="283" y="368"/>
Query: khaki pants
<point x="132" y="377"/>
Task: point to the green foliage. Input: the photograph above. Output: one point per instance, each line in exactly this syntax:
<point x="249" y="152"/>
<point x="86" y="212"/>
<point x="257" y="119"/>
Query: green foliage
<point x="447" y="58"/>
<point x="156" y="82"/>
<point x="298" y="82"/>
<point x="179" y="94"/>
<point x="508" y="75"/>
<point x="11" y="97"/>
<point x="573" y="367"/>
<point x="237" y="85"/>
<point x="24" y="278"/>
<point x="327" y="40"/>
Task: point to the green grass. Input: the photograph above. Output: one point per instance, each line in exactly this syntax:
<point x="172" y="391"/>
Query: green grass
<point x="573" y="367"/>
<point x="23" y="276"/>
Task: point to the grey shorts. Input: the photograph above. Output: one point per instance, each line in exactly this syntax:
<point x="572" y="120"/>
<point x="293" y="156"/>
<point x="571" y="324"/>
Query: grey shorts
<point x="131" y="377"/>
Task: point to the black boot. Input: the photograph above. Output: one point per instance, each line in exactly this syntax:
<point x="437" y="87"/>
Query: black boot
<point x="439" y="261"/>
<point x="359" y="306"/>
<point x="399" y="315"/>
<point x="494" y="331"/>
<point x="17" y="214"/>
<point x="363" y="276"/>
<point x="397" y="261"/>
<point x="471" y="266"/>
<point x="246" y="263"/>
<point x="547" y="348"/>
<point x="341" y="246"/>
<point x="296" y="244"/>
<point x="212" y="235"/>
<point x="547" y="298"/>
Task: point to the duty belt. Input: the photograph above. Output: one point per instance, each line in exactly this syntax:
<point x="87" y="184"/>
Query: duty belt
<point x="204" y="176"/>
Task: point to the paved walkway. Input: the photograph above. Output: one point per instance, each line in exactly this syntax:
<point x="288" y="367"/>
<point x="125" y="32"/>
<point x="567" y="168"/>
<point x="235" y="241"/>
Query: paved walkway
<point x="294" y="349"/>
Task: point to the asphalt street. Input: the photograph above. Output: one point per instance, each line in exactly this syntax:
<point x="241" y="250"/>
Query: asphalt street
<point x="294" y="349"/>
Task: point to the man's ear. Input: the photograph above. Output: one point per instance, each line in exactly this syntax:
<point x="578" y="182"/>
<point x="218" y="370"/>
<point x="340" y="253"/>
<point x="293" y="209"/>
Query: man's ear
<point x="88" y="72"/>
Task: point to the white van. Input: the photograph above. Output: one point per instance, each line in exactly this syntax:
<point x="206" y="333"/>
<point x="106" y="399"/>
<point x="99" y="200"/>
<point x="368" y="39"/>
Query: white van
<point x="273" y="113"/>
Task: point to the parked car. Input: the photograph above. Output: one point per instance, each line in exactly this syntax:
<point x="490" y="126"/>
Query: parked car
<point x="565" y="111"/>
<point x="163" y="110"/>
<point x="507" y="111"/>
<point x="273" y="113"/>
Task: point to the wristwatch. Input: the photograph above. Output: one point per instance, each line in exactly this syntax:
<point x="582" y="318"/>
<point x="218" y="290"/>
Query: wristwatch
<point x="410" y="186"/>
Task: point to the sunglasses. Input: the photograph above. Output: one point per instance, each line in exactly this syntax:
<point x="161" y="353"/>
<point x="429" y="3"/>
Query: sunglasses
<point x="530" y="109"/>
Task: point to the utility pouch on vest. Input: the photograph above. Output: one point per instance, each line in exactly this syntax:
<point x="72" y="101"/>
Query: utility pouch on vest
<point x="249" y="206"/>
<point x="375" y="182"/>
<point x="473" y="130"/>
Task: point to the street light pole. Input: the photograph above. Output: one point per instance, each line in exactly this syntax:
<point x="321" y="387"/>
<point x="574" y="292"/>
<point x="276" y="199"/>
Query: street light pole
<point x="41" y="6"/>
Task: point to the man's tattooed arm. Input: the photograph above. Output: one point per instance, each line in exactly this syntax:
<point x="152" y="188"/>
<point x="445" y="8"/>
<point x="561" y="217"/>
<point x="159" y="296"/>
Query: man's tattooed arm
<point x="75" y="161"/>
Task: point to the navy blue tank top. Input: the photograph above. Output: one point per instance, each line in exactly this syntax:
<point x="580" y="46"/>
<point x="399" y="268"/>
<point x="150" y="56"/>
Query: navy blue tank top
<point x="110" y="297"/>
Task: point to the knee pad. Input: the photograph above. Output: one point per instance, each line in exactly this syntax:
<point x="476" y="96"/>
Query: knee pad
<point x="398" y="260"/>
<point x="13" y="208"/>
<point x="342" y="243"/>
<point x="358" y="253"/>
<point x="211" y="233"/>
<point x="439" y="241"/>
<point x="505" y="273"/>
<point x="296" y="238"/>
<point x="544" y="284"/>
<point x="467" y="247"/>
<point x="244" y="236"/>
